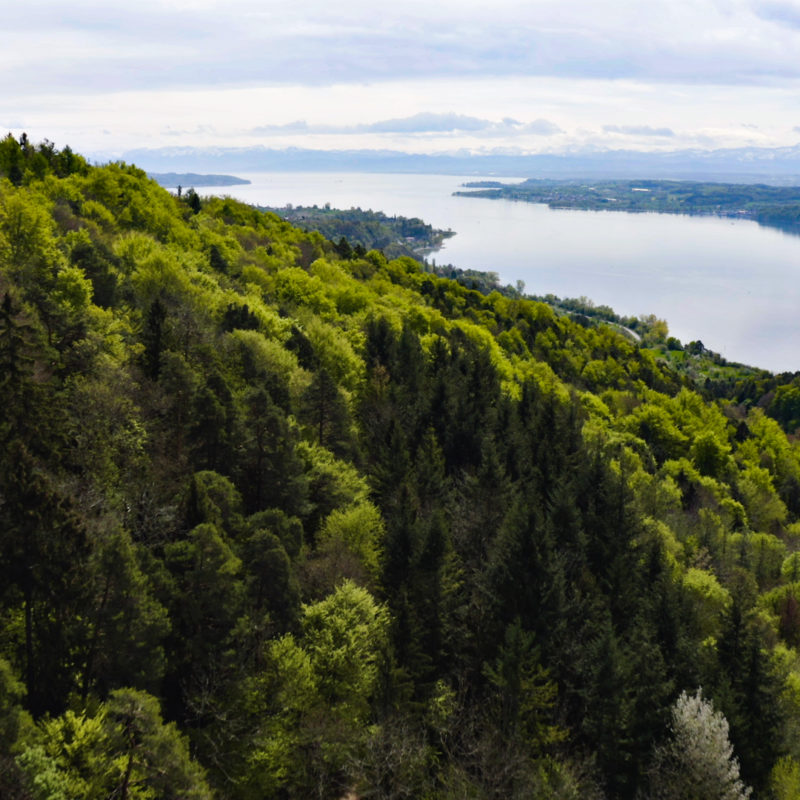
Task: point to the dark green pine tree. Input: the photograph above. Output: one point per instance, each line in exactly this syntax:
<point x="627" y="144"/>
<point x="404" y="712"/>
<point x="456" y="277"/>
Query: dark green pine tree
<point x="272" y="589"/>
<point x="100" y="266"/>
<point x="267" y="468"/>
<point x="343" y="249"/>
<point x="649" y="690"/>
<point x="206" y="598"/>
<point x="217" y="261"/>
<point x="43" y="542"/>
<point x="126" y="625"/>
<point x="214" y="425"/>
<point x="380" y="348"/>
<point x="514" y="576"/>
<point x="464" y="391"/>
<point x="153" y="335"/>
<point x="747" y="690"/>
<point x="21" y="396"/>
<point x="43" y="555"/>
<point x="11" y="160"/>
<point x="481" y="499"/>
<point x="607" y="717"/>
<point x="401" y="540"/>
<point x="323" y="408"/>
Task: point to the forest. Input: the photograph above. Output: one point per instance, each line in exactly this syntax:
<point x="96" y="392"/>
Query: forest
<point x="282" y="521"/>
<point x="772" y="206"/>
<point x="356" y="231"/>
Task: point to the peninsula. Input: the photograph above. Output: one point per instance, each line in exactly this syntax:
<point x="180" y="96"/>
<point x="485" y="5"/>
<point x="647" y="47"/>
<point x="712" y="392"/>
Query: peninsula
<point x="395" y="235"/>
<point x="171" y="180"/>
<point x="773" y="206"/>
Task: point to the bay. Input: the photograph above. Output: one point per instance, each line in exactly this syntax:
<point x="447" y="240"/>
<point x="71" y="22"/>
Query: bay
<point x="732" y="284"/>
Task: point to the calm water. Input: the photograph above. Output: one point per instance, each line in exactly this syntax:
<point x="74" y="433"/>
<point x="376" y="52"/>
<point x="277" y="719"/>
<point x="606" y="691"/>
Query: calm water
<point x="730" y="283"/>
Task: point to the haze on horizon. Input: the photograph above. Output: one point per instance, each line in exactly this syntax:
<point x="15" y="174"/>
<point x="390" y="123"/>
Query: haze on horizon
<point x="546" y="76"/>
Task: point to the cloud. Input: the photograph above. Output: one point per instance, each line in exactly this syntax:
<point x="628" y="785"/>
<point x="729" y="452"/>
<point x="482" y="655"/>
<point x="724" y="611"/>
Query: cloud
<point x="407" y="75"/>
<point x="779" y="11"/>
<point x="428" y="123"/>
<point x="638" y="130"/>
<point x="182" y="132"/>
<point x="96" y="47"/>
<point x="542" y="127"/>
<point x="421" y="123"/>
<point x="299" y="126"/>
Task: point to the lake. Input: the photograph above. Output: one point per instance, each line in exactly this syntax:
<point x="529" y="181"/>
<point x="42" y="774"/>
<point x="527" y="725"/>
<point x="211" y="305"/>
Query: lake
<point x="732" y="284"/>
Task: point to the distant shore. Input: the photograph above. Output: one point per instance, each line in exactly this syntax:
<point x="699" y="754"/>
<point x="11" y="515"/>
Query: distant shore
<point x="771" y="206"/>
<point x="172" y="180"/>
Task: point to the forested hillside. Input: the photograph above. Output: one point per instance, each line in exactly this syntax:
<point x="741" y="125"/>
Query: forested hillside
<point x="356" y="231"/>
<point x="279" y="523"/>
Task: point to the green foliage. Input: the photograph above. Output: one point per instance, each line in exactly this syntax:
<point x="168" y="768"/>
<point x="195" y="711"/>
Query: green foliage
<point x="123" y="749"/>
<point x="711" y="600"/>
<point x="364" y="528"/>
<point x="360" y="529"/>
<point x="344" y="634"/>
<point x="525" y="694"/>
<point x="366" y="230"/>
<point x="311" y="701"/>
<point x="127" y="624"/>
<point x="785" y="779"/>
<point x="22" y="162"/>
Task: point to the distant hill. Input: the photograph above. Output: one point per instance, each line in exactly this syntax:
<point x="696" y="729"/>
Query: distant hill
<point x="171" y="180"/>
<point x="742" y="165"/>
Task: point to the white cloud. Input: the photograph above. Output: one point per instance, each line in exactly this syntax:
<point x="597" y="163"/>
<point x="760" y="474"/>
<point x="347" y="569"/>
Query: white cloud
<point x="530" y="113"/>
<point x="639" y="130"/>
<point x="428" y="122"/>
<point x="514" y="73"/>
<point x="424" y="122"/>
<point x="542" y="127"/>
<point x="94" y="46"/>
<point x="779" y="11"/>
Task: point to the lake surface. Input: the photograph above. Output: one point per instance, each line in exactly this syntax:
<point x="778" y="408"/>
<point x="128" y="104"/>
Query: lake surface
<point x="732" y="284"/>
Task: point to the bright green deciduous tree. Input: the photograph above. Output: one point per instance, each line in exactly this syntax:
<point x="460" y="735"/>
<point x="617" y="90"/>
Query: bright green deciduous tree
<point x="360" y="530"/>
<point x="343" y="635"/>
<point x="310" y="703"/>
<point x="124" y="750"/>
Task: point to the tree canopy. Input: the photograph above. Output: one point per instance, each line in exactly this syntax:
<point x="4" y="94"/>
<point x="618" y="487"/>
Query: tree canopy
<point x="280" y="518"/>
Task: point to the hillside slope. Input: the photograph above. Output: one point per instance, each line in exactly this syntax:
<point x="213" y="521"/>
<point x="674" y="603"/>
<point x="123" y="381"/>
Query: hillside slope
<point x="277" y="523"/>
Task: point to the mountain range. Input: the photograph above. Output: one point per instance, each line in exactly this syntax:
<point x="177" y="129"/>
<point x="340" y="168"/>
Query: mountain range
<point x="749" y="164"/>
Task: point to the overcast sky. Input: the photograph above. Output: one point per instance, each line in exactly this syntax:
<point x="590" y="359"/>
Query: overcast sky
<point x="415" y="75"/>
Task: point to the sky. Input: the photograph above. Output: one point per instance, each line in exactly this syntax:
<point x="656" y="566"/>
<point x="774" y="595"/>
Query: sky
<point x="510" y="76"/>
